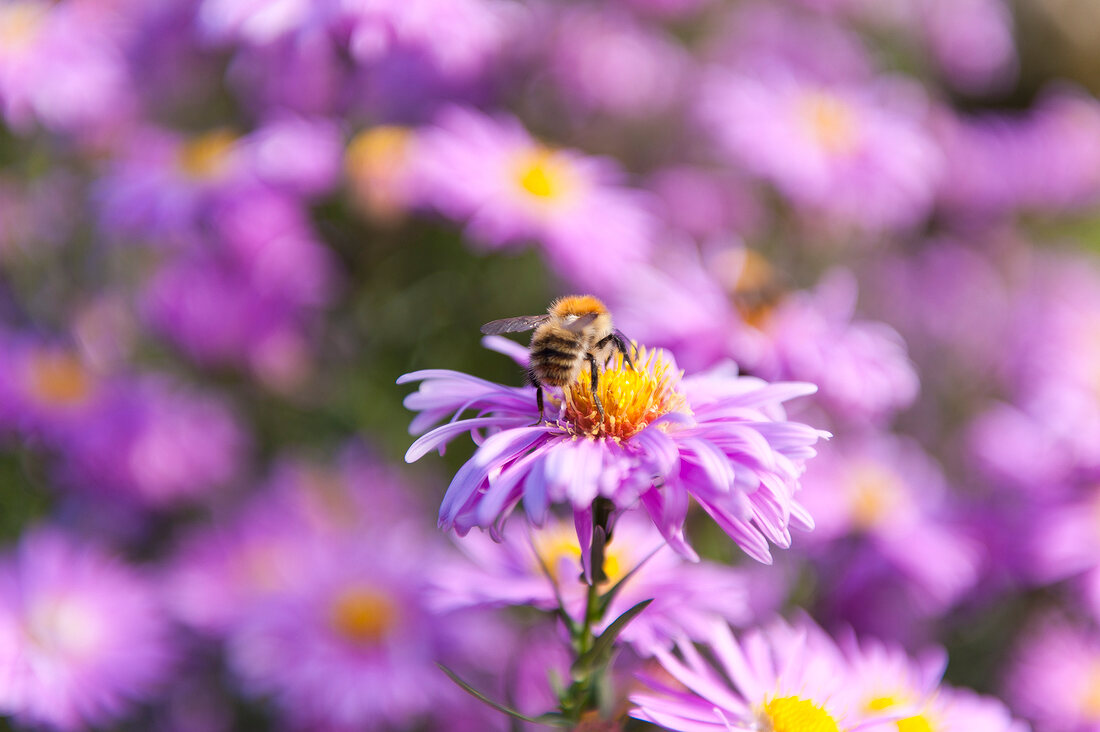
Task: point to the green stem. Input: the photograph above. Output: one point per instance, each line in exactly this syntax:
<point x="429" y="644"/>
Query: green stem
<point x="581" y="696"/>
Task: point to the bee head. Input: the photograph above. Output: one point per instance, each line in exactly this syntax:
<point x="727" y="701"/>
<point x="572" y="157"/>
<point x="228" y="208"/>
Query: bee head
<point x="577" y="305"/>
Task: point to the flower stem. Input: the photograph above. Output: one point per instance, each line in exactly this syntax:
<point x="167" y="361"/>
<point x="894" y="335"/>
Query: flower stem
<point x="582" y="695"/>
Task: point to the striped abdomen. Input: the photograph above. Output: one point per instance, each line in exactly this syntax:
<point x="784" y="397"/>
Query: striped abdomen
<point x="557" y="355"/>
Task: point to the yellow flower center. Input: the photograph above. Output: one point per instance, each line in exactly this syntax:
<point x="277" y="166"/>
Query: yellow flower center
<point x="19" y="25"/>
<point x="558" y="544"/>
<point x="59" y="379"/>
<point x="376" y="163"/>
<point x="829" y="122"/>
<point x="63" y="626"/>
<point x="918" y="723"/>
<point x="544" y="176"/>
<point x="793" y="714"/>
<point x="363" y="615"/>
<point x="1090" y="700"/>
<point x="205" y="157"/>
<point x="632" y="398"/>
<point x="873" y="493"/>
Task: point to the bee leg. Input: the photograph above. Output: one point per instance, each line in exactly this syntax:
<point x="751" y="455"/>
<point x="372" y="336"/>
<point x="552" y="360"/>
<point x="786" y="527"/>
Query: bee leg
<point x="624" y="348"/>
<point x="595" y="385"/>
<point x="538" y="393"/>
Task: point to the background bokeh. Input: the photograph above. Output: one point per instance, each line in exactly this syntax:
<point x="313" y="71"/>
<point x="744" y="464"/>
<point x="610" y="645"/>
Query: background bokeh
<point x="227" y="227"/>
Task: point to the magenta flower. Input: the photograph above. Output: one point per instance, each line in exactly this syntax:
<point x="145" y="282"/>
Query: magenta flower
<point x="81" y="634"/>
<point x="63" y="64"/>
<point x="884" y="492"/>
<point x="509" y="187"/>
<point x="605" y="61"/>
<point x="320" y="592"/>
<point x="157" y="444"/>
<point x="890" y="685"/>
<point x="536" y="566"/>
<point x="718" y="437"/>
<point x="782" y="678"/>
<point x="1054" y="676"/>
<point x="854" y="154"/>
<point x="794" y="678"/>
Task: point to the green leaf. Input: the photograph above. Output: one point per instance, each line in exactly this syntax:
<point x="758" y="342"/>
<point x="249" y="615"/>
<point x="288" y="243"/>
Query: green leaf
<point x="601" y="649"/>
<point x="551" y="719"/>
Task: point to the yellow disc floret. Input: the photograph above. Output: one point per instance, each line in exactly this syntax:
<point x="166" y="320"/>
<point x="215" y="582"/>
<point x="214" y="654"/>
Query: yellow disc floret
<point x="632" y="398"/>
<point x="794" y="714"/>
<point x="829" y="121"/>
<point x="59" y="379"/>
<point x="544" y="176"/>
<point x="918" y="723"/>
<point x="558" y="543"/>
<point x="363" y="615"/>
<point x="206" y="156"/>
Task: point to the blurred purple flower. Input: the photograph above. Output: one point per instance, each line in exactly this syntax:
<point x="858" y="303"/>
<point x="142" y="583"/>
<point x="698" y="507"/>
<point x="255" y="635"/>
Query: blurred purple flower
<point x="262" y="22"/>
<point x="706" y="204"/>
<point x="47" y="389"/>
<point x="156" y="187"/>
<point x="508" y="187"/>
<point x="604" y="61"/>
<point x="1054" y="675"/>
<point x="298" y="155"/>
<point x="459" y="37"/>
<point x="861" y="367"/>
<point x="719" y="437"/>
<point x="63" y="64"/>
<point x="157" y="444"/>
<point x="857" y="155"/>
<point x="319" y="588"/>
<point x="971" y="41"/>
<point x="796" y="679"/>
<point x="781" y="677"/>
<point x="891" y="684"/>
<point x="760" y="38"/>
<point x="535" y="566"/>
<point x="81" y="635"/>
<point x="1046" y="160"/>
<point x="886" y="490"/>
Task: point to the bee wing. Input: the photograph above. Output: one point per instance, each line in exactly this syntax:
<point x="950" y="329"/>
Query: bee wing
<point x="514" y="325"/>
<point x="581" y="323"/>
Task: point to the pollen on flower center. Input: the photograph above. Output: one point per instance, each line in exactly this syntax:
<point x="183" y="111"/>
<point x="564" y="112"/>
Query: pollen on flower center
<point x="205" y="156"/>
<point x="19" y="25"/>
<point x="363" y="615"/>
<point x="829" y="121"/>
<point x="918" y="723"/>
<point x="543" y="175"/>
<point x="59" y="379"/>
<point x="553" y="546"/>
<point x="793" y="714"/>
<point x="632" y="398"/>
<point x="873" y="493"/>
<point x="63" y="626"/>
<point x="1090" y="700"/>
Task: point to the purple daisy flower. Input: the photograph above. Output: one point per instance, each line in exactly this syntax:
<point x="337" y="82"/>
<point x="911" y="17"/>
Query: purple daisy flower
<point x="1054" y="677"/>
<point x="538" y="566"/>
<point x="718" y="437"/>
<point x="81" y="634"/>
<point x="784" y="678"/>
<point x="887" y="683"/>
<point x="509" y="187"/>
<point x="856" y="154"/>
<point x="158" y="444"/>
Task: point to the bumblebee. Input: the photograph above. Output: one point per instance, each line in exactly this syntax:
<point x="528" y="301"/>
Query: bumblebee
<point x="575" y="329"/>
